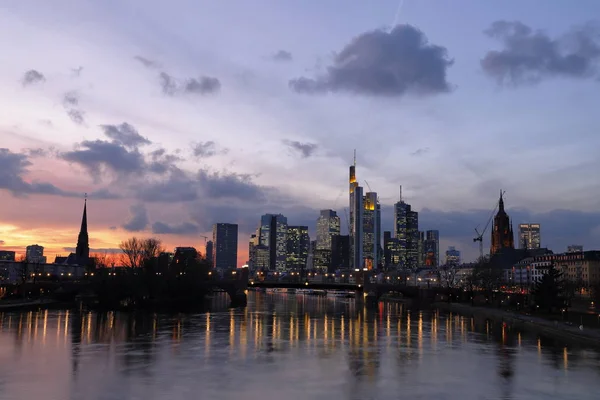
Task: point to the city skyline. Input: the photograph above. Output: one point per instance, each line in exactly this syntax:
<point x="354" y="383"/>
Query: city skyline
<point x="179" y="132"/>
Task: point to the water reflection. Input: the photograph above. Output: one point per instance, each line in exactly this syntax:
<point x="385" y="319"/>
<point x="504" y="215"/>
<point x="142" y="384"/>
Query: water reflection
<point x="283" y="345"/>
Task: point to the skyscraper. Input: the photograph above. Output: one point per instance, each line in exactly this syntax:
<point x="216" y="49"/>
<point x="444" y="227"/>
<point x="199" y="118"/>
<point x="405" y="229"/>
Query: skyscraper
<point x="328" y="225"/>
<point x="298" y="244"/>
<point x="225" y="239"/>
<point x="406" y="231"/>
<point x="502" y="232"/>
<point x="209" y="251"/>
<point x="340" y="252"/>
<point x="432" y="248"/>
<point x="390" y="250"/>
<point x="273" y="235"/>
<point x="452" y="256"/>
<point x="371" y="230"/>
<point x="355" y="227"/>
<point x="35" y="254"/>
<point x="529" y="236"/>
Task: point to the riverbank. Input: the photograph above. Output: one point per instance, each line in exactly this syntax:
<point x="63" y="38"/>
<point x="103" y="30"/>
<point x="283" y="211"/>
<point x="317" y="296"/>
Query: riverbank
<point x="542" y="326"/>
<point x="10" y="305"/>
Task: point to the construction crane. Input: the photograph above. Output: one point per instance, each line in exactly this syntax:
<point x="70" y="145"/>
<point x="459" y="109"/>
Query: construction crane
<point x="206" y="238"/>
<point x="369" y="186"/>
<point x="479" y="237"/>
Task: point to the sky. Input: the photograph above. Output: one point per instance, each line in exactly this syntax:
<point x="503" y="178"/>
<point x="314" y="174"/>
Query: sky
<point x="175" y="115"/>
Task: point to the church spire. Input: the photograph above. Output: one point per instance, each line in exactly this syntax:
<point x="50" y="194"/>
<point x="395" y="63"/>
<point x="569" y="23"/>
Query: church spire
<point x="83" y="247"/>
<point x="501" y="202"/>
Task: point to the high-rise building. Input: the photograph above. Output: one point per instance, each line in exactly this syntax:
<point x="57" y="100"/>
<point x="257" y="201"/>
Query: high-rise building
<point x="502" y="231"/>
<point x="225" y="239"/>
<point x="390" y="250"/>
<point x="452" y="256"/>
<point x="575" y="248"/>
<point x="355" y="227"/>
<point x="431" y="247"/>
<point x="406" y="230"/>
<point x="340" y="252"/>
<point x="252" y="243"/>
<point x="35" y="254"/>
<point x="298" y="243"/>
<point x="328" y="225"/>
<point x="421" y="249"/>
<point x="209" y="251"/>
<point x="371" y="230"/>
<point x="529" y="236"/>
<point x="273" y="235"/>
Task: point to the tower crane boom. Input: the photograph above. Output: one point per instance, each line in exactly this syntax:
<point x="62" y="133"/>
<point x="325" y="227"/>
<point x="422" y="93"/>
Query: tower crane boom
<point x="479" y="237"/>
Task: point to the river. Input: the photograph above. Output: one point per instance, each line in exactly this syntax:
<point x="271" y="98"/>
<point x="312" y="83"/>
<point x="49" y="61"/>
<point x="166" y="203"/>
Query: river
<point x="285" y="347"/>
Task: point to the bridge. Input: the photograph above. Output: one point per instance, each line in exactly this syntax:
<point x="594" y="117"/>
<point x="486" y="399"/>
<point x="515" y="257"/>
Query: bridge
<point x="372" y="292"/>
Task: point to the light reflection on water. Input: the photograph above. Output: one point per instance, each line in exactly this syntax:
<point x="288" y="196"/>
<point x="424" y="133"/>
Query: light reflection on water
<point x="284" y="346"/>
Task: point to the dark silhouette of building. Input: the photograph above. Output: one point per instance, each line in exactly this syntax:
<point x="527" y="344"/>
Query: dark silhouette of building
<point x="391" y="250"/>
<point x="82" y="252"/>
<point x="6" y="255"/>
<point x="340" y="252"/>
<point x="209" y="251"/>
<point x="225" y="244"/>
<point x="502" y="232"/>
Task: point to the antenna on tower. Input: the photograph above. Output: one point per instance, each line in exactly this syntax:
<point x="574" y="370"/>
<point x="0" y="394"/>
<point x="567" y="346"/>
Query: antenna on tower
<point x="85" y="196"/>
<point x="400" y="192"/>
<point x="355" y="157"/>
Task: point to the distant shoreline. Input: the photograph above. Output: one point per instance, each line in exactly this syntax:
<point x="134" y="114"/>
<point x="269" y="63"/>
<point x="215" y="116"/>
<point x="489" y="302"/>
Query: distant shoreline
<point x="587" y="337"/>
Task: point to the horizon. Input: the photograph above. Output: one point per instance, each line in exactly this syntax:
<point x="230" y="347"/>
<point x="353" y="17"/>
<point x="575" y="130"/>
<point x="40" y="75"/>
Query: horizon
<point x="170" y="122"/>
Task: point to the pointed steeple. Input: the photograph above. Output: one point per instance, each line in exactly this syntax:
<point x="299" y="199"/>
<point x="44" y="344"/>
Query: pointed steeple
<point x="501" y="203"/>
<point x="83" y="247"/>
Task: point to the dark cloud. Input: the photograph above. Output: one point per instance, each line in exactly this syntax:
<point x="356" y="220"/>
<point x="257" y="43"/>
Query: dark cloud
<point x="168" y="84"/>
<point x="2" y="242"/>
<point x="182" y="229"/>
<point x="99" y="156"/>
<point x="528" y="56"/>
<point x="139" y="219"/>
<point x="161" y="162"/>
<point x="420" y="151"/>
<point x="104" y="194"/>
<point x="39" y="152"/>
<point x="125" y="135"/>
<point x="204" y="149"/>
<point x="282" y="55"/>
<point x="202" y="85"/>
<point x="32" y="76"/>
<point x="76" y="116"/>
<point x="71" y="99"/>
<point x="378" y="63"/>
<point x="146" y="62"/>
<point x="220" y="185"/>
<point x="12" y="168"/>
<point x="305" y="149"/>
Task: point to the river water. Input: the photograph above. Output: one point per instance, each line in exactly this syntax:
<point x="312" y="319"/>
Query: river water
<point x="285" y="347"/>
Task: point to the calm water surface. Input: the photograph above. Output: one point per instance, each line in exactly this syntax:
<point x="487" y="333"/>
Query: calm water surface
<point x="285" y="347"/>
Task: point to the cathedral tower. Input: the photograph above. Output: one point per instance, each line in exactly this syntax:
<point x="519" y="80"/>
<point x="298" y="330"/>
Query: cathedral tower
<point x="502" y="232"/>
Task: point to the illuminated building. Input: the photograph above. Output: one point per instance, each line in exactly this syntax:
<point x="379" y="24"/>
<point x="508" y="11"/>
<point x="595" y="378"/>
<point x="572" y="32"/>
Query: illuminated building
<point x="298" y="243"/>
<point x="574" y="248"/>
<point x="452" y="256"/>
<point x="406" y="231"/>
<point x="328" y="225"/>
<point x="35" y="254"/>
<point x="431" y="246"/>
<point x="371" y="230"/>
<point x="529" y="236"/>
<point x="225" y="239"/>
<point x="502" y="232"/>
<point x="355" y="223"/>
<point x="273" y="235"/>
<point x="6" y="255"/>
<point x="391" y="250"/>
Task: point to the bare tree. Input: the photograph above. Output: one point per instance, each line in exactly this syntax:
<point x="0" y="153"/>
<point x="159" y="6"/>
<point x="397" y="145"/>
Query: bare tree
<point x="104" y="259"/>
<point x="137" y="252"/>
<point x="447" y="276"/>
